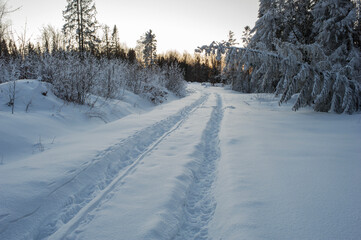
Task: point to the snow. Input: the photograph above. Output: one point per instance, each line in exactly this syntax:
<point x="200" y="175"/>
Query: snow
<point x="294" y="175"/>
<point x="214" y="165"/>
<point x="48" y="118"/>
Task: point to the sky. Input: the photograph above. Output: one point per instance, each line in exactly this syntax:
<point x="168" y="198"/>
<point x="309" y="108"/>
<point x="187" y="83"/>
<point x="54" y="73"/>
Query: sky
<point x="180" y="25"/>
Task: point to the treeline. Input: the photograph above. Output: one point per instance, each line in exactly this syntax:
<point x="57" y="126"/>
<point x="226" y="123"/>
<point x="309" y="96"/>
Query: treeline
<point x="87" y="58"/>
<point x="196" y="67"/>
<point x="311" y="48"/>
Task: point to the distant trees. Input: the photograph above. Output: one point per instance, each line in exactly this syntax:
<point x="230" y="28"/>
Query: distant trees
<point x="52" y="40"/>
<point x="77" y="64"/>
<point x="80" y="24"/>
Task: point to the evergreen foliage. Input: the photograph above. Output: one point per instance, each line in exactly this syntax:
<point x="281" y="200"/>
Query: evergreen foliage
<point x="309" y="48"/>
<point x="80" y="25"/>
<point x="149" y="49"/>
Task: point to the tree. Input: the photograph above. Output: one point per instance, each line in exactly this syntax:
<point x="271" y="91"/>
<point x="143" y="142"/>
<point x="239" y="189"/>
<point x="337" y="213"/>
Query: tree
<point x="357" y="34"/>
<point x="52" y="39"/>
<point x="231" y="40"/>
<point x="117" y="51"/>
<point x="297" y="21"/>
<point x="4" y="50"/>
<point x="106" y="42"/>
<point x="81" y="24"/>
<point x="132" y="56"/>
<point x="4" y="25"/>
<point x="267" y="26"/>
<point x="247" y="36"/>
<point x="4" y="12"/>
<point x="150" y="49"/>
<point x="339" y="89"/>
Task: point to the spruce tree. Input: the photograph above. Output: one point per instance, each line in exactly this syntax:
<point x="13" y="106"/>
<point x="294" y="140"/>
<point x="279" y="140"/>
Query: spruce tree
<point x="150" y="49"/>
<point x="267" y="26"/>
<point x="106" y="42"/>
<point x="80" y="24"/>
<point x="114" y="44"/>
<point x="297" y="21"/>
<point x="339" y="90"/>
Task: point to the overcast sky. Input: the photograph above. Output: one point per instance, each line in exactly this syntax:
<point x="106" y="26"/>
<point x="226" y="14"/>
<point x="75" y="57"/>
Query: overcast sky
<point x="178" y="24"/>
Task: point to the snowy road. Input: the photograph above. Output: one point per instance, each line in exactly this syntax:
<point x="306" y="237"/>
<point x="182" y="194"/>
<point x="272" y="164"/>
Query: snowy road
<point x="214" y="165"/>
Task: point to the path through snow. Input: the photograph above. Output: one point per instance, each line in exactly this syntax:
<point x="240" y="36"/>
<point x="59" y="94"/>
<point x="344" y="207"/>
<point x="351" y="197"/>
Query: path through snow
<point x="214" y="165"/>
<point x="200" y="203"/>
<point x="140" y="145"/>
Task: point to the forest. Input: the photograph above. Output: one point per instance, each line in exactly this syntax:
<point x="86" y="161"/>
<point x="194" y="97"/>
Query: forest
<point x="310" y="48"/>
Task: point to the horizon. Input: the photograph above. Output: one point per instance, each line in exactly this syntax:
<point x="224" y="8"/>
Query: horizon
<point x="178" y="26"/>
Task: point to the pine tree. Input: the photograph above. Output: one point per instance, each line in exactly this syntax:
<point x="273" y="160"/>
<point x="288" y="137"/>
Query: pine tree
<point x="106" y="42"/>
<point x="114" y="44"/>
<point x="81" y="24"/>
<point x="150" y="49"/>
<point x="131" y="56"/>
<point x="4" y="50"/>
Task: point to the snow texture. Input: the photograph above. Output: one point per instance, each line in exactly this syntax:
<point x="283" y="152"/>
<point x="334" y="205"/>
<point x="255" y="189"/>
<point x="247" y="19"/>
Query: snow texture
<point x="213" y="165"/>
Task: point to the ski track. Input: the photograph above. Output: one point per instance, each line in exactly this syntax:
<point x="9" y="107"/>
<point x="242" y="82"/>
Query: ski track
<point x="138" y="146"/>
<point x="200" y="203"/>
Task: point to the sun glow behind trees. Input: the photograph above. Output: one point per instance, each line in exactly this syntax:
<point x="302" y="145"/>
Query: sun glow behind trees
<point x="179" y="25"/>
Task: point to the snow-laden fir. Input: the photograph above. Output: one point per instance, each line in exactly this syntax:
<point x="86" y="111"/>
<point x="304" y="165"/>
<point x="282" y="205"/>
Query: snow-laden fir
<point x="308" y="47"/>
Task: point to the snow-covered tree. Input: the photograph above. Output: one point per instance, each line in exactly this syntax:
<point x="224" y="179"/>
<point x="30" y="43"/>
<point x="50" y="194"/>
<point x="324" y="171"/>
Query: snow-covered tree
<point x="80" y="24"/>
<point x="340" y="88"/>
<point x="357" y="35"/>
<point x="321" y="63"/>
<point x="267" y="26"/>
<point x="297" y="21"/>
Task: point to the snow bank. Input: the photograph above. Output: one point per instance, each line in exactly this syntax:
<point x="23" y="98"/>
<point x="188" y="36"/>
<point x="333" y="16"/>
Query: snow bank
<point x="41" y="119"/>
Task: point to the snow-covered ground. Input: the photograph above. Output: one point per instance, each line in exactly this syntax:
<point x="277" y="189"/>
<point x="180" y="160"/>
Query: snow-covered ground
<point x="213" y="165"/>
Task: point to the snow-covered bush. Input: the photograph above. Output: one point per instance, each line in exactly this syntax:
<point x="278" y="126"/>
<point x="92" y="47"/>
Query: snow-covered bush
<point x="153" y="85"/>
<point x="111" y="79"/>
<point x="175" y="80"/>
<point x="74" y="79"/>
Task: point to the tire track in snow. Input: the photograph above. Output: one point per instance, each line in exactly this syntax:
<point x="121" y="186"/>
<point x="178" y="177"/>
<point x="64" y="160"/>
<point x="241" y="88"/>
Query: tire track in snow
<point x="165" y="128"/>
<point x="200" y="203"/>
